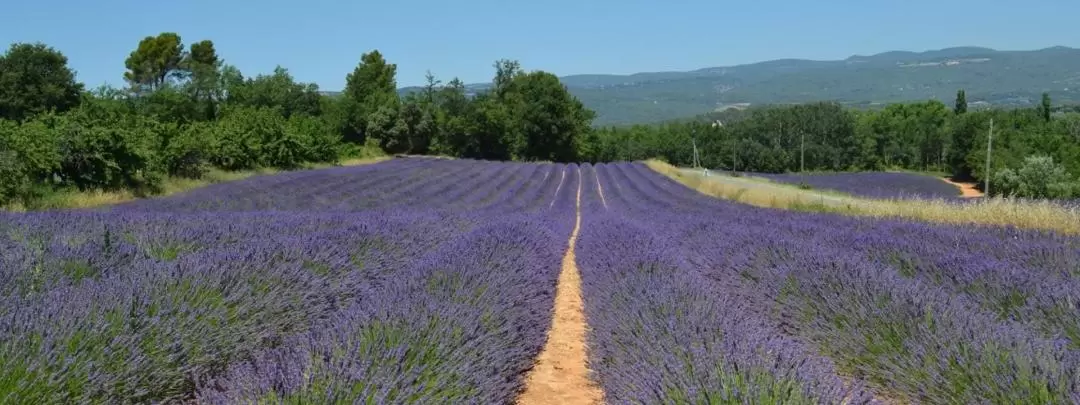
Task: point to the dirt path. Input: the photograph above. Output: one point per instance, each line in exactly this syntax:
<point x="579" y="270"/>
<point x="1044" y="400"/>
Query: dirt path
<point x="561" y="375"/>
<point x="557" y="188"/>
<point x="600" y="188"/>
<point x="967" y="190"/>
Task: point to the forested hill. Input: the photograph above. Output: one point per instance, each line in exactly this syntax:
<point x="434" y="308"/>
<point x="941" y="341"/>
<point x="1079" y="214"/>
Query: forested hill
<point x="1001" y="78"/>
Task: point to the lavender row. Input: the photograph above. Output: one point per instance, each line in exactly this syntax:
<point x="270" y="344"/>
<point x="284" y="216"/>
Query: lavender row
<point x="881" y="185"/>
<point x="461" y="325"/>
<point x="1024" y="276"/>
<point x="138" y="302"/>
<point x="662" y="333"/>
<point x="136" y="315"/>
<point x="902" y="334"/>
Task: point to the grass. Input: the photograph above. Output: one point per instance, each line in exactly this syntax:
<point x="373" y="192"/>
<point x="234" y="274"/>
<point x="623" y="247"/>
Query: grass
<point x="72" y="199"/>
<point x="1041" y="215"/>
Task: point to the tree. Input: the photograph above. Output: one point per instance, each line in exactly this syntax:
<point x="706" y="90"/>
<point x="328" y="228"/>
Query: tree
<point x="1038" y="177"/>
<point x="384" y="126"/>
<point x="204" y="65"/>
<point x="452" y="136"/>
<point x="278" y="90"/>
<point x="961" y="102"/>
<point x="35" y="78"/>
<point x="1044" y="108"/>
<point x="416" y="127"/>
<point x="964" y="130"/>
<point x="549" y="118"/>
<point x="154" y="62"/>
<point x="431" y="86"/>
<point x="505" y="72"/>
<point x="370" y="86"/>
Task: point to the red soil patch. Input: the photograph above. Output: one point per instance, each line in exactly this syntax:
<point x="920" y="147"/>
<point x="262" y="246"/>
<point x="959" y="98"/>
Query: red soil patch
<point x="967" y="190"/>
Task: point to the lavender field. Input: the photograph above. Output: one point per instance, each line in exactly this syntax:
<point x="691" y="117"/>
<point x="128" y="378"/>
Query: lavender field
<point x="432" y="281"/>
<point x="882" y="185"/>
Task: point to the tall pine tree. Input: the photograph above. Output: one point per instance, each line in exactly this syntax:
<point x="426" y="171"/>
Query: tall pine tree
<point x="1044" y="109"/>
<point x="961" y="102"/>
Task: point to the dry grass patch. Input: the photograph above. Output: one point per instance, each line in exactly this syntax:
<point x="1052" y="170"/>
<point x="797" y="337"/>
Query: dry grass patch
<point x="1043" y="215"/>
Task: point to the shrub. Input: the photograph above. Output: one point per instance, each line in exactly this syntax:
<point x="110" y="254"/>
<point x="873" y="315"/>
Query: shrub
<point x="28" y="158"/>
<point x="186" y="152"/>
<point x="240" y="135"/>
<point x="115" y="153"/>
<point x="323" y="141"/>
<point x="250" y="137"/>
<point x="1038" y="177"/>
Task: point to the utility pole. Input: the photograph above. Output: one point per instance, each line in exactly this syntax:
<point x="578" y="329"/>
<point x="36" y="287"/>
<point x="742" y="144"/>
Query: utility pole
<point x="734" y="149"/>
<point x="802" y="152"/>
<point x="989" y="145"/>
<point x="693" y="140"/>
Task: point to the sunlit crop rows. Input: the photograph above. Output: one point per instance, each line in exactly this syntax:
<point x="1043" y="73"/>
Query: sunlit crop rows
<point x="414" y="280"/>
<point x="883" y="185"/>
<point x="432" y="281"/>
<point x="729" y="301"/>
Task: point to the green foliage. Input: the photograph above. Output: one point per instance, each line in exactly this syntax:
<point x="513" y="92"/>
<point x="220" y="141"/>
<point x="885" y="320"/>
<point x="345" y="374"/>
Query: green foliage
<point x="550" y="118"/>
<point x="29" y="154"/>
<point x="108" y="152"/>
<point x="416" y="126"/>
<point x="322" y="141"/>
<point x="923" y="136"/>
<point x="368" y="88"/>
<point x="35" y="78"/>
<point x="240" y="136"/>
<point x="961" y="102"/>
<point x="170" y="103"/>
<point x="186" y="112"/>
<point x="205" y="86"/>
<point x="251" y="137"/>
<point x="155" y="60"/>
<point x="186" y="151"/>
<point x="1037" y="177"/>
<point x="1045" y="107"/>
<point x="278" y="90"/>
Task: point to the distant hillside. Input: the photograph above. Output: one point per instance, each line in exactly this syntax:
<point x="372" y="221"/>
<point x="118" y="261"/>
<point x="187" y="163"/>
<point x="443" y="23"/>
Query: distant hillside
<point x="1007" y="78"/>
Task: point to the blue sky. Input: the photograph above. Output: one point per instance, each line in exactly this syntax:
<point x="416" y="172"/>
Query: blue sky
<point x="321" y="41"/>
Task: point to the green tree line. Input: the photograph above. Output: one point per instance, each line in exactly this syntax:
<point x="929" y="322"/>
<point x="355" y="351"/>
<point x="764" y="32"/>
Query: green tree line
<point x="1042" y="142"/>
<point x="185" y="111"/>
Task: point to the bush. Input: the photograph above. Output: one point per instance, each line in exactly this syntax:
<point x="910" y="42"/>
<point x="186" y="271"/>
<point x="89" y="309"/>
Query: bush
<point x="103" y="145"/>
<point x="323" y="140"/>
<point x="240" y="135"/>
<point x="250" y="137"/>
<point x="121" y="152"/>
<point x="186" y="153"/>
<point x="29" y="156"/>
<point x="1038" y="177"/>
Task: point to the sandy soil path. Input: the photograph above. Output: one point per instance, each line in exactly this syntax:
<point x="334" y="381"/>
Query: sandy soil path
<point x="557" y="188"/>
<point x="600" y="188"/>
<point x="561" y="375"/>
<point x="967" y="190"/>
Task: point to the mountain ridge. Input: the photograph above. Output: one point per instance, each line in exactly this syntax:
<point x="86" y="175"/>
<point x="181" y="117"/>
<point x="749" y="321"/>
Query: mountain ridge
<point x="989" y="76"/>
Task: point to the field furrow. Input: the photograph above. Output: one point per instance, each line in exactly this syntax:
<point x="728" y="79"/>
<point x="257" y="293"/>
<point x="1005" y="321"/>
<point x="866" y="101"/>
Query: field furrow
<point x="419" y="281"/>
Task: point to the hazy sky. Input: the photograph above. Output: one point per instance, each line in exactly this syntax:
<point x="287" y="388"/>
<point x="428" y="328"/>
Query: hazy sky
<point x="321" y="41"/>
